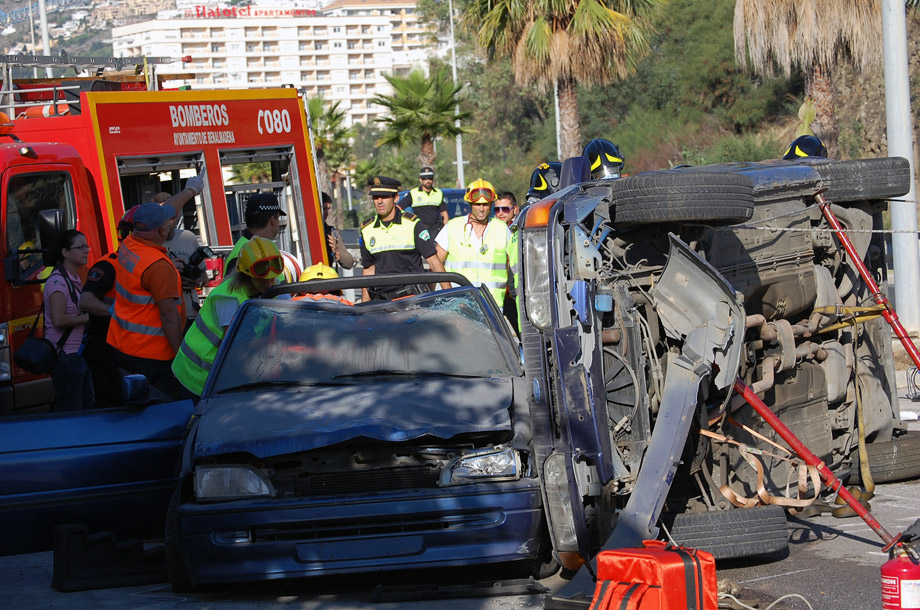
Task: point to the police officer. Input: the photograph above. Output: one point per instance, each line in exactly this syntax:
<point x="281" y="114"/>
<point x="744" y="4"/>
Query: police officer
<point x="427" y="202"/>
<point x="475" y="245"/>
<point x="263" y="219"/>
<point x="394" y="241"/>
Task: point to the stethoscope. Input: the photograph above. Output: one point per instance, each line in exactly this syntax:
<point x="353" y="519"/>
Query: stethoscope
<point x="484" y="247"/>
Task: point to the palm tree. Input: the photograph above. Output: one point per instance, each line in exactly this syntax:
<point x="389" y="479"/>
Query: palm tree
<point x="331" y="139"/>
<point x="421" y="109"/>
<point x="566" y="43"/>
<point x="814" y="36"/>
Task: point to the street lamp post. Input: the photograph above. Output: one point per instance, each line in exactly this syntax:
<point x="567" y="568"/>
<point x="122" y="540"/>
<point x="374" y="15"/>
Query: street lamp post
<point x="453" y="62"/>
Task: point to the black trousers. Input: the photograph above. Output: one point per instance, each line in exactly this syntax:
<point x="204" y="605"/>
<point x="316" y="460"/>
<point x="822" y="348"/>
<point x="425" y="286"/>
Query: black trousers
<point x="158" y="373"/>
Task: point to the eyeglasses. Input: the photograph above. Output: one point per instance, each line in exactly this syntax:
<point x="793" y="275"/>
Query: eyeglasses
<point x="482" y="193"/>
<point x="503" y="209"/>
<point x="267" y="266"/>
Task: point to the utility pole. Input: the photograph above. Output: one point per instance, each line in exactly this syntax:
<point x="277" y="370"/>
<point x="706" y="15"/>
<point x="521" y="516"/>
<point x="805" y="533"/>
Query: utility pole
<point x="43" y="20"/>
<point x="900" y="144"/>
<point x="461" y="181"/>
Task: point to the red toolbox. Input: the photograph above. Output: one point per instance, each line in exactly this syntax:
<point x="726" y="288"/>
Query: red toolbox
<point x="657" y="577"/>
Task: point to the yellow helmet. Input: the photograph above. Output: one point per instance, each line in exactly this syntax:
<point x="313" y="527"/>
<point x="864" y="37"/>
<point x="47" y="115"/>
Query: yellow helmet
<point x="260" y="258"/>
<point x="318" y="271"/>
<point x="480" y="191"/>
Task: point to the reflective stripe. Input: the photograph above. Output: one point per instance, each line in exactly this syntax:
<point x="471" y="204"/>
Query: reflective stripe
<point x="209" y="334"/>
<point x="477" y="265"/>
<point x="139" y="328"/>
<point x="134" y="298"/>
<point x="391" y="247"/>
<point x="193" y="357"/>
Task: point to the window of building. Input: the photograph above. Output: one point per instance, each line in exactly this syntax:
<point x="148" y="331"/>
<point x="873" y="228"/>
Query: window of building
<point x="319" y="46"/>
<point x="336" y="30"/>
<point x="337" y="45"/>
<point x="351" y="45"/>
<point x="381" y="43"/>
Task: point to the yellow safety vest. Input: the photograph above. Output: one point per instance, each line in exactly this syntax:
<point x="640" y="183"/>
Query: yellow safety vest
<point x="199" y="347"/>
<point x="393" y="237"/>
<point x="421" y="198"/>
<point x="485" y="264"/>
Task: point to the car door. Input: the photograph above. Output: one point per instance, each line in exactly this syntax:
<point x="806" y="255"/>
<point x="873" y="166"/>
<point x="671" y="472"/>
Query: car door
<point x="109" y="469"/>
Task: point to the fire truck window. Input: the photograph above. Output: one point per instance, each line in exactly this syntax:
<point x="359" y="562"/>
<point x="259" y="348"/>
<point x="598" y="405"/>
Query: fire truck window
<point x="27" y="195"/>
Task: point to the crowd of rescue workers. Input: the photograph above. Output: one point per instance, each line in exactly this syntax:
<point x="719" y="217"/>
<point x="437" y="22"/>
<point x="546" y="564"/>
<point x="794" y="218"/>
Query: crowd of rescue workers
<point x="139" y="310"/>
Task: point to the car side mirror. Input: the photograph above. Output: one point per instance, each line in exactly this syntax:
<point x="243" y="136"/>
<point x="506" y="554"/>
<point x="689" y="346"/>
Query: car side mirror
<point x="50" y="225"/>
<point x="135" y="390"/>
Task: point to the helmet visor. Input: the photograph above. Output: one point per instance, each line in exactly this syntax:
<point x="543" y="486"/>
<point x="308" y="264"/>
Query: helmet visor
<point x="267" y="267"/>
<point x="482" y="195"/>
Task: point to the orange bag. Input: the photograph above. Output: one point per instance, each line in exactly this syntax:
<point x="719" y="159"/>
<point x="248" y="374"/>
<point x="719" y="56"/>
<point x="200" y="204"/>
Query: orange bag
<point x="657" y="577"/>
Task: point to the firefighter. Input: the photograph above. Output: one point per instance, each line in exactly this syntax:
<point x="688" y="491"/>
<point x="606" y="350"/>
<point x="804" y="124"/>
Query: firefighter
<point x="258" y="263"/>
<point x="319" y="271"/>
<point x="146" y="326"/>
<point x="605" y="158"/>
<point x="543" y="181"/>
<point x="394" y="241"/>
<point x="263" y="219"/>
<point x="805" y="146"/>
<point x="427" y="202"/>
<point x="475" y="246"/>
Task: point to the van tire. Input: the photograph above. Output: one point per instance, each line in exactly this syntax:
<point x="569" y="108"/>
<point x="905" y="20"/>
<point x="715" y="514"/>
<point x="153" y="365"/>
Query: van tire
<point x="738" y="532"/>
<point x="670" y="196"/>
<point x="889" y="461"/>
<point x="864" y="179"/>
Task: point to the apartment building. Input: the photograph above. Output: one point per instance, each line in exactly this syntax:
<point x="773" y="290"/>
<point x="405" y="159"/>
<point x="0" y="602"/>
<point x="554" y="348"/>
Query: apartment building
<point x="341" y="56"/>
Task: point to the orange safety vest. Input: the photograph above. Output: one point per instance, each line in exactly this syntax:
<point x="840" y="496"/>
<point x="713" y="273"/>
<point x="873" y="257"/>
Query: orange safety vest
<point x="136" y="328"/>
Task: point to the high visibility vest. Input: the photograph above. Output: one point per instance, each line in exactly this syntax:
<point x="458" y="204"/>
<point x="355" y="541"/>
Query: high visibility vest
<point x="484" y="265"/>
<point x="234" y="254"/>
<point x="199" y="347"/>
<point x="397" y="236"/>
<point x="136" y="328"/>
<point x="514" y="265"/>
<point x="421" y="198"/>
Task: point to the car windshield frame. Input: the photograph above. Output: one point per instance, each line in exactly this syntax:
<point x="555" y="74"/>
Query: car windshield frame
<point x="453" y="328"/>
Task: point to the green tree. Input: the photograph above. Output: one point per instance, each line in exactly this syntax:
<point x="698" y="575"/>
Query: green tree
<point x="420" y="109"/>
<point x="578" y="42"/>
<point x="331" y="138"/>
<point x="814" y="36"/>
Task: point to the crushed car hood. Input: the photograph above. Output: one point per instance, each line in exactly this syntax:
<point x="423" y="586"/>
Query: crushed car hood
<point x="273" y="422"/>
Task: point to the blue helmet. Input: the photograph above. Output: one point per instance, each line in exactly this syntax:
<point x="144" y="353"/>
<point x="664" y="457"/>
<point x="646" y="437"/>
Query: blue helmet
<point x="805" y="146"/>
<point x="605" y="158"/>
<point x="544" y="180"/>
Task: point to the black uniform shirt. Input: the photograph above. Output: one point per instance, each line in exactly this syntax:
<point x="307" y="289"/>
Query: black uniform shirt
<point x="99" y="282"/>
<point x="399" y="261"/>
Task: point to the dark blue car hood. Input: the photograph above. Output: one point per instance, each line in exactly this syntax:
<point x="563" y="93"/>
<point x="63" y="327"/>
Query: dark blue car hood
<point x="277" y="422"/>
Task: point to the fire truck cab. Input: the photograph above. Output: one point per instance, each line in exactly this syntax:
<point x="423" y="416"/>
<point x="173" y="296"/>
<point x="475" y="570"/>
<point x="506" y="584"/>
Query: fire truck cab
<point x="77" y="153"/>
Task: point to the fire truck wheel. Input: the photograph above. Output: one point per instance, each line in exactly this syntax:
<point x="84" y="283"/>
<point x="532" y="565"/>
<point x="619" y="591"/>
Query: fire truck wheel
<point x="739" y="532"/>
<point x="666" y="196"/>
<point x="862" y="179"/>
<point x="175" y="564"/>
<point x="889" y="461"/>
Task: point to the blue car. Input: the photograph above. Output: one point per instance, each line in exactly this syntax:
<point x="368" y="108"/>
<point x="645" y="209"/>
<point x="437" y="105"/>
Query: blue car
<point x="335" y="438"/>
<point x="109" y="469"/>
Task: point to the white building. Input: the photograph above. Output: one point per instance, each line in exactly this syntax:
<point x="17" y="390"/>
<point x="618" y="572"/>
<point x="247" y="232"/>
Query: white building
<point x="341" y="55"/>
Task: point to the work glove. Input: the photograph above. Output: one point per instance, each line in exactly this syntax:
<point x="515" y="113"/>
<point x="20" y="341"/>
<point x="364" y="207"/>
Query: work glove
<point x="195" y="183"/>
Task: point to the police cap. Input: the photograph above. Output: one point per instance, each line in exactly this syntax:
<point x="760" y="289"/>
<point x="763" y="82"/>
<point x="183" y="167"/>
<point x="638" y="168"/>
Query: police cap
<point x="383" y="186"/>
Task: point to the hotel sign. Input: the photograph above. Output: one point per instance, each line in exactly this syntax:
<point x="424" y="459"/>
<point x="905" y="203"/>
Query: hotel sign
<point x="205" y="12"/>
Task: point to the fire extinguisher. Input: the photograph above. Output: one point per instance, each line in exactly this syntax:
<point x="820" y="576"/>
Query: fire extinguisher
<point x="901" y="579"/>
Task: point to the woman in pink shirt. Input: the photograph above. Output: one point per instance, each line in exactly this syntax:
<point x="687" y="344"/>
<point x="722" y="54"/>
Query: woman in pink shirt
<point x="65" y="322"/>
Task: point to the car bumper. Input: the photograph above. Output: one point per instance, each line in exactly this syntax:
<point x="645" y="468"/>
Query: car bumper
<point x="268" y="539"/>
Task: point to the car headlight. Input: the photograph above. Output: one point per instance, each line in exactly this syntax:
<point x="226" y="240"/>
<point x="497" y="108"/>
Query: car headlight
<point x="230" y="483"/>
<point x="559" y="503"/>
<point x="482" y="465"/>
<point x="536" y="279"/>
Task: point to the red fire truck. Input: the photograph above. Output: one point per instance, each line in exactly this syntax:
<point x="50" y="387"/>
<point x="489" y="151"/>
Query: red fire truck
<point x="94" y="147"/>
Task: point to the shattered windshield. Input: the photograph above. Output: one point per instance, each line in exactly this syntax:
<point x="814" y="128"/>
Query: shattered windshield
<point x="315" y="344"/>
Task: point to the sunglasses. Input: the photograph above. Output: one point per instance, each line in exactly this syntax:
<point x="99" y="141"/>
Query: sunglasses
<point x="267" y="267"/>
<point x="488" y="195"/>
<point x="503" y="209"/>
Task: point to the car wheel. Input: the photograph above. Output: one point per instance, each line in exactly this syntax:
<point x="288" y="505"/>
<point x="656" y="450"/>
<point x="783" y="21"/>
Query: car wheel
<point x="682" y="197"/>
<point x="175" y="564"/>
<point x="862" y="179"/>
<point x="739" y="532"/>
<point x="889" y="461"/>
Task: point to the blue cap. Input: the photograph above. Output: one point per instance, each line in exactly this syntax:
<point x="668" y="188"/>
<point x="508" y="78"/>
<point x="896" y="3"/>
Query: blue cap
<point x="150" y="216"/>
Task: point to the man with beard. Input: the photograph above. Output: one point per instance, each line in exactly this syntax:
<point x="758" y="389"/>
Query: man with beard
<point x="393" y="241"/>
<point x="181" y="245"/>
<point x="475" y="245"/>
